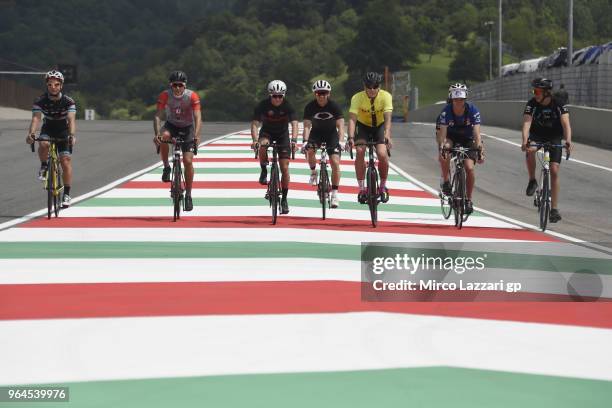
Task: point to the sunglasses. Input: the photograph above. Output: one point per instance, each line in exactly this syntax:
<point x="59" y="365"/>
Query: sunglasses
<point x="372" y="87"/>
<point x="538" y="91"/>
<point x="178" y="85"/>
<point x="278" y="96"/>
<point x="322" y="93"/>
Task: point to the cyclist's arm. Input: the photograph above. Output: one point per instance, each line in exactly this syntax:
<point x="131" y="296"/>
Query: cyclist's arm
<point x="387" y="116"/>
<point x="476" y="133"/>
<point x="567" y="129"/>
<point x="351" y="125"/>
<point x="254" y="130"/>
<point x="157" y="120"/>
<point x="526" y="126"/>
<point x="441" y="135"/>
<point x="340" y="127"/>
<point x="294" y="131"/>
<point x="307" y="128"/>
<point x="197" y="117"/>
<point x="36" y="119"/>
<point x="72" y="126"/>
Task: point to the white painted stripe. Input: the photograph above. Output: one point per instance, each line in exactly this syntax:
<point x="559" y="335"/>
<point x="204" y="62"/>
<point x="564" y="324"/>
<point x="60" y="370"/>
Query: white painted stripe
<point x="256" y="193"/>
<point x="264" y="210"/>
<point x="213" y="148"/>
<point x="159" y="235"/>
<point x="300" y="178"/>
<point x="347" y="169"/>
<point x="36" y="271"/>
<point x="216" y="345"/>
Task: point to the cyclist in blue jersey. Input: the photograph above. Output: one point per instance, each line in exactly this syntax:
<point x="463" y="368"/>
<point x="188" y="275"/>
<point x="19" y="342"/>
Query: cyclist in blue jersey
<point x="57" y="111"/>
<point x="459" y="124"/>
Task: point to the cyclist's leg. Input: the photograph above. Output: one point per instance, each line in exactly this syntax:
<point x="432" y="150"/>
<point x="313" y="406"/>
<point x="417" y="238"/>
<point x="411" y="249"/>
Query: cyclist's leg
<point x="555" y="161"/>
<point x="187" y="149"/>
<point x="334" y="153"/>
<point x="284" y="153"/>
<point x="43" y="147"/>
<point x="383" y="158"/>
<point x="469" y="165"/>
<point x="264" y="142"/>
<point x="313" y="139"/>
<point x="167" y="131"/>
<point x="530" y="157"/>
<point x="361" y="136"/>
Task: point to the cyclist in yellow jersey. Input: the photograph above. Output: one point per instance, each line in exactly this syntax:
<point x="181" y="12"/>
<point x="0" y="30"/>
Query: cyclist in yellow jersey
<point x="370" y="120"/>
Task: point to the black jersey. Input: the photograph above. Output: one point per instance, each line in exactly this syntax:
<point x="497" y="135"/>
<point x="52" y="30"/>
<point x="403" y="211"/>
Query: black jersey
<point x="323" y="118"/>
<point x="55" y="112"/>
<point x="274" y="119"/>
<point x="546" y="119"/>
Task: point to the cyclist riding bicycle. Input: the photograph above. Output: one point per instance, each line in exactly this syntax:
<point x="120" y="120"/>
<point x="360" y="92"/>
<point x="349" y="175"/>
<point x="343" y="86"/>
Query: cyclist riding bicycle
<point x="324" y="123"/>
<point x="59" y="111"/>
<point x="459" y="124"/>
<point x="274" y="114"/>
<point x="182" y="110"/>
<point x="545" y="119"/>
<point x="370" y="121"/>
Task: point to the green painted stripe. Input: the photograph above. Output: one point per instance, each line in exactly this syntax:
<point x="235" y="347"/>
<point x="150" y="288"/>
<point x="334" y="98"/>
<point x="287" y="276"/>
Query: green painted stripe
<point x="254" y="202"/>
<point x="256" y="170"/>
<point x="238" y="249"/>
<point x="246" y="249"/>
<point x="215" y="151"/>
<point x="405" y="387"/>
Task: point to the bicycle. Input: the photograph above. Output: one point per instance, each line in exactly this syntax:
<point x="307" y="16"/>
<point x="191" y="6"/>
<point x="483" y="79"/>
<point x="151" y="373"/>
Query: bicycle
<point x="273" y="193"/>
<point x="324" y="185"/>
<point x="372" y="194"/>
<point x="53" y="183"/>
<point x="455" y="203"/>
<point x="542" y="199"/>
<point x="177" y="181"/>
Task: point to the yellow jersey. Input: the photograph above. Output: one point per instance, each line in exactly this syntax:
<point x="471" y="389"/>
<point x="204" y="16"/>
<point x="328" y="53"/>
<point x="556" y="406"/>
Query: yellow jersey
<point x="366" y="109"/>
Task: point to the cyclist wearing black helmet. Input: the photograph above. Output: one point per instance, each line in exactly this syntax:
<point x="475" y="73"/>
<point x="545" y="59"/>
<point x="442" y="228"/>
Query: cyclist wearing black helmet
<point x="181" y="108"/>
<point x="59" y="112"/>
<point x="370" y="120"/>
<point x="545" y="120"/>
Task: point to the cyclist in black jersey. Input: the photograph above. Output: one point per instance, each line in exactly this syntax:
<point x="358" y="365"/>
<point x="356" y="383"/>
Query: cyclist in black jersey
<point x="324" y="122"/>
<point x="545" y="119"/>
<point x="57" y="112"/>
<point x="274" y="114"/>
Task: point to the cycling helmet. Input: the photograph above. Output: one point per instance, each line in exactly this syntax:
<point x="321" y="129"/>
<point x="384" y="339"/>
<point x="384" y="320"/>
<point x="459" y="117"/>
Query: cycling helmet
<point x="372" y="79"/>
<point x="178" y="76"/>
<point x="55" y="74"/>
<point x="457" y="91"/>
<point x="277" y="87"/>
<point x="543" y="83"/>
<point x="321" y="85"/>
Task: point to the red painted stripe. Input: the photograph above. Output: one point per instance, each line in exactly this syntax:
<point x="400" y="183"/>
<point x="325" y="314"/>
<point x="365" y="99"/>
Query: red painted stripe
<point x="249" y="159"/>
<point x="203" y="148"/>
<point x="251" y="298"/>
<point x="289" y="222"/>
<point x="248" y="185"/>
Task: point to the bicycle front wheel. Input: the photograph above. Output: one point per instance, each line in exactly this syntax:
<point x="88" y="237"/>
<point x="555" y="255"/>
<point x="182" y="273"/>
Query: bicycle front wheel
<point x="544" y="205"/>
<point x="274" y="192"/>
<point x="323" y="189"/>
<point x="50" y="187"/>
<point x="372" y="180"/>
<point x="58" y="189"/>
<point x="459" y="197"/>
<point x="176" y="191"/>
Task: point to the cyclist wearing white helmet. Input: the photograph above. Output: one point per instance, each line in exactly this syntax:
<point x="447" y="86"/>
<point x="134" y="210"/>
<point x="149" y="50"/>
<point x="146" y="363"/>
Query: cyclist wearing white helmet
<point x="274" y="115"/>
<point x="459" y="124"/>
<point x="324" y="122"/>
<point x="370" y="121"/>
<point x="182" y="110"/>
<point x="59" y="112"/>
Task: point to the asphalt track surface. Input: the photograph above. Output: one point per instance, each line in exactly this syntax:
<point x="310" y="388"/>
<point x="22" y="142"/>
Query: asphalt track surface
<point x="109" y="150"/>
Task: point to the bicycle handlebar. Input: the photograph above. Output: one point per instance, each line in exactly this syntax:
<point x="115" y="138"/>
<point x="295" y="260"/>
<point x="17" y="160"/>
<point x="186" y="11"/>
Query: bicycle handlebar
<point x="548" y="145"/>
<point x="177" y="141"/>
<point x="37" y="139"/>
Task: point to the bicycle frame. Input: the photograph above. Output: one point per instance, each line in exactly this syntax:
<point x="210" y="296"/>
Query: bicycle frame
<point x="53" y="183"/>
<point x="273" y="191"/>
<point x="458" y="179"/>
<point x="324" y="185"/>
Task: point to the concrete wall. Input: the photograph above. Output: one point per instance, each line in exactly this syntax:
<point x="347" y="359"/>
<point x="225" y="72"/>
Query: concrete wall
<point x="589" y="125"/>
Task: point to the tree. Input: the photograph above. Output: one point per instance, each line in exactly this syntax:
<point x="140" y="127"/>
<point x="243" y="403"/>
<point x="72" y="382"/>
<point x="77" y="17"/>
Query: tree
<point x="469" y="64"/>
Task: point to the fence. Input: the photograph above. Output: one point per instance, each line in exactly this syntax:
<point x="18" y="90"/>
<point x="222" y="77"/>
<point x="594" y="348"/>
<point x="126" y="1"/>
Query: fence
<point x="587" y="85"/>
<point x="17" y="95"/>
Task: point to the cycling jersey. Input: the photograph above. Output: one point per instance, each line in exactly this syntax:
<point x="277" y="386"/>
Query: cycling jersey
<point x="55" y="112"/>
<point x="370" y="112"/>
<point x="179" y="109"/>
<point x="323" y="118"/>
<point x="459" y="126"/>
<point x="274" y="119"/>
<point x="546" y="119"/>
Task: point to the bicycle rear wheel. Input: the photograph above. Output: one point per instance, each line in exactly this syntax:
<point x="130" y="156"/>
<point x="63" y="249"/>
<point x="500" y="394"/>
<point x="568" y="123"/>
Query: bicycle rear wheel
<point x="323" y="189"/>
<point x="372" y="180"/>
<point x="50" y="187"/>
<point x="58" y="189"/>
<point x="274" y="192"/>
<point x="544" y="207"/>
<point x="176" y="190"/>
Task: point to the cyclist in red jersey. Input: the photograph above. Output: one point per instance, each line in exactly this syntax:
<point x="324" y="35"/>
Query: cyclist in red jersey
<point x="181" y="108"/>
